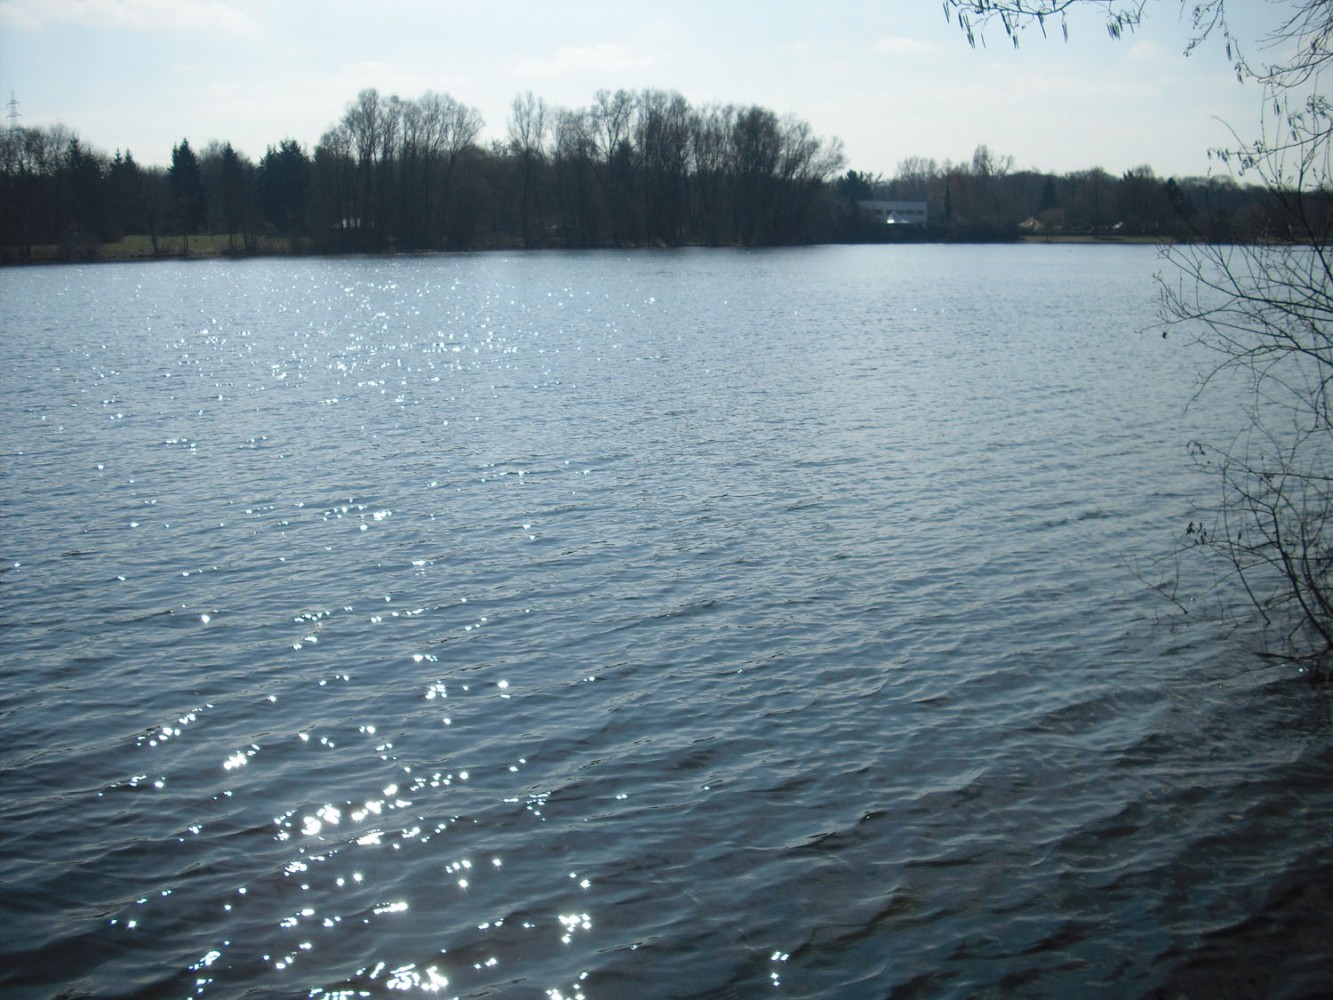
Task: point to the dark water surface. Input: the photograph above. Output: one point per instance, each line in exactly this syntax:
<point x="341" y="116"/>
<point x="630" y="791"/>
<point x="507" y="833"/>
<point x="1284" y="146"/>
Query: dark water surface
<point x="698" y="623"/>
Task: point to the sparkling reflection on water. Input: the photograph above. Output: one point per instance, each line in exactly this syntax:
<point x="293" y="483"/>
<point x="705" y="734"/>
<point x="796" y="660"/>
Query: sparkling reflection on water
<point x="674" y="624"/>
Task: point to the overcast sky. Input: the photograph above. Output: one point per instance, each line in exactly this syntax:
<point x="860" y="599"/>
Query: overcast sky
<point x="891" y="78"/>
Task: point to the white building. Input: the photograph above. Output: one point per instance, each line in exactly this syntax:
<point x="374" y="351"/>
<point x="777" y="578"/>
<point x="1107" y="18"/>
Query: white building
<point x="895" y="213"/>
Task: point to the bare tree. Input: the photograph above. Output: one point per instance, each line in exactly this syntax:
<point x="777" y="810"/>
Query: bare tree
<point x="458" y="128"/>
<point x="1262" y="309"/>
<point x="334" y="190"/>
<point x="574" y="158"/>
<point x="710" y="129"/>
<point x="805" y="163"/>
<point x="1016" y="15"/>
<point x="612" y="115"/>
<point x="756" y="145"/>
<point x="527" y="140"/>
<point x="662" y="132"/>
<point x="370" y="127"/>
<point x="915" y="178"/>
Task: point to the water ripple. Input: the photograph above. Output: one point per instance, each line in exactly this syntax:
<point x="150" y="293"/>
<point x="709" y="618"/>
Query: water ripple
<point x="575" y="625"/>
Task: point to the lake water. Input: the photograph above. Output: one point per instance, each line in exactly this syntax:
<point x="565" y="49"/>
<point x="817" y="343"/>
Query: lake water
<point x="683" y="623"/>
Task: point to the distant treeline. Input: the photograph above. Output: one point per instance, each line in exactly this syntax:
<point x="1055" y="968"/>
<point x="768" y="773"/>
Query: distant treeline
<point x="631" y="169"/>
<point x="986" y="199"/>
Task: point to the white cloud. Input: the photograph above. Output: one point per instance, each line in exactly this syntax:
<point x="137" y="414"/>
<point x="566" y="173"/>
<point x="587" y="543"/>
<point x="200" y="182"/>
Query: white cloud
<point x="19" y="16"/>
<point x="211" y="16"/>
<point x="1150" y="52"/>
<point x="587" y="60"/>
<point x="897" y="45"/>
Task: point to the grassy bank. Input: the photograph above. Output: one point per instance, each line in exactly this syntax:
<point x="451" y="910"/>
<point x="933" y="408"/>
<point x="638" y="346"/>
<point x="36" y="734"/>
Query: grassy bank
<point x="1086" y="239"/>
<point x="204" y="246"/>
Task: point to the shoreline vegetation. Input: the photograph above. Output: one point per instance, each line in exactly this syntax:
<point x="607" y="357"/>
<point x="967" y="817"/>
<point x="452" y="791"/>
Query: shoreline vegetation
<point x="641" y="169"/>
<point x="138" y="249"/>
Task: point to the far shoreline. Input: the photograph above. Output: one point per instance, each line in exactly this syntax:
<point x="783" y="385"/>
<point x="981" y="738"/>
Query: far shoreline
<point x="212" y="247"/>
